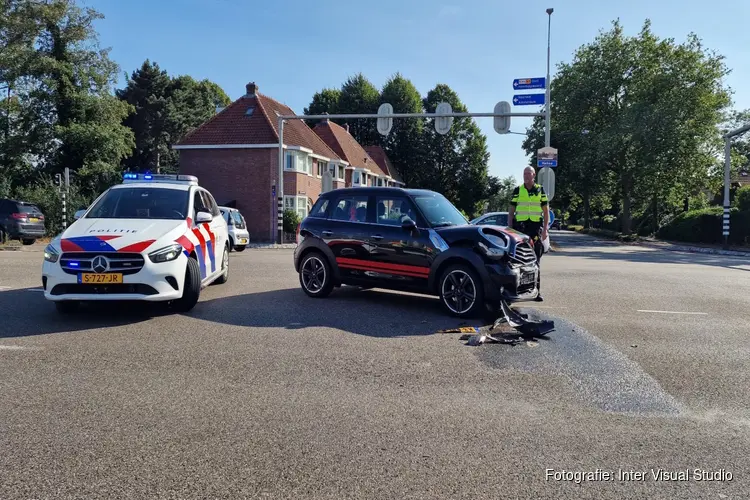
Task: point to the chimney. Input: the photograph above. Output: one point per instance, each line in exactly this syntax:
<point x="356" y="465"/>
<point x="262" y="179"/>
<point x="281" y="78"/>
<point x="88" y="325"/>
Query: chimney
<point x="251" y="89"/>
<point x="326" y="120"/>
<point x="346" y="126"/>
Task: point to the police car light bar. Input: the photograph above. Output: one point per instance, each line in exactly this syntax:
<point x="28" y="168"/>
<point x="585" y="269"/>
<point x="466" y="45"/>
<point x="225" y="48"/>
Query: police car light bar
<point x="129" y="177"/>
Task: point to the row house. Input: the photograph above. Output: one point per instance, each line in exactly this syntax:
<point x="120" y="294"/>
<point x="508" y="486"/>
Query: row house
<point x="235" y="155"/>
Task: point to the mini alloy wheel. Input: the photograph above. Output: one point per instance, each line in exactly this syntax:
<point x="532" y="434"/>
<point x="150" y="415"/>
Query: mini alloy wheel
<point x="461" y="291"/>
<point x="315" y="275"/>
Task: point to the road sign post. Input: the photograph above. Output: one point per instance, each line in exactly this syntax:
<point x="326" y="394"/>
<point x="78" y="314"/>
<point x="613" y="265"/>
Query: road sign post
<point x="551" y="218"/>
<point x="546" y="177"/>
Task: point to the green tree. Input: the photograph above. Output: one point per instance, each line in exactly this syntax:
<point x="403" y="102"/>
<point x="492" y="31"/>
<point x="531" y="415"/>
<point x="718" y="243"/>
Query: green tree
<point x="652" y="108"/>
<point x="324" y="102"/>
<point x="77" y="122"/>
<point x="147" y="92"/>
<point x="500" y="192"/>
<point x="359" y="95"/>
<point x="404" y="144"/>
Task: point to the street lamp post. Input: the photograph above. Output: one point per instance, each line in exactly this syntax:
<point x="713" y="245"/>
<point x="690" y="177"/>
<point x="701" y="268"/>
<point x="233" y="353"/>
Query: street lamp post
<point x="547" y="114"/>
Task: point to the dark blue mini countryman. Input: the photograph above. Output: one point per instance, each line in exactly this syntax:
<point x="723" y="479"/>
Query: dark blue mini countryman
<point x="416" y="241"/>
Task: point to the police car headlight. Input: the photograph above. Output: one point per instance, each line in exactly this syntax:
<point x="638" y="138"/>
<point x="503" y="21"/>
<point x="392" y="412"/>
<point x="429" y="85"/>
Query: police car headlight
<point x="165" y="254"/>
<point x="51" y="254"/>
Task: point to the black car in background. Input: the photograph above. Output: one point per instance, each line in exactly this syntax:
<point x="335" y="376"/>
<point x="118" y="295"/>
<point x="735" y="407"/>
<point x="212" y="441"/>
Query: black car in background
<point x="20" y="220"/>
<point x="412" y="240"/>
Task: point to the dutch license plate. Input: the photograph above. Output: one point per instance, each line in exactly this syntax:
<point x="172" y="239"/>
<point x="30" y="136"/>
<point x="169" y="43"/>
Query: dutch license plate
<point x="33" y="219"/>
<point x="99" y="278"/>
<point x="528" y="278"/>
<point x="243" y="240"/>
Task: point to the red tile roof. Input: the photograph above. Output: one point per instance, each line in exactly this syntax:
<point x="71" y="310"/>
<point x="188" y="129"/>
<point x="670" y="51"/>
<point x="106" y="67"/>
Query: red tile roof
<point x="379" y="156"/>
<point x="236" y="124"/>
<point x="348" y="149"/>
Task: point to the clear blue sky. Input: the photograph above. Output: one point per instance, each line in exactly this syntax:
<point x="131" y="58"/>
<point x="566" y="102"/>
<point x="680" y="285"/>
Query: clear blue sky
<point x="293" y="48"/>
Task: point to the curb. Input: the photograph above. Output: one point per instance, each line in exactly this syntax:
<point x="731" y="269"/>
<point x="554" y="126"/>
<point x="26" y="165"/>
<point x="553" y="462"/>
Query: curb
<point x="703" y="250"/>
<point x="671" y="247"/>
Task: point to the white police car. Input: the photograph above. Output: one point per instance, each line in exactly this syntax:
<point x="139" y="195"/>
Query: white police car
<point x="154" y="237"/>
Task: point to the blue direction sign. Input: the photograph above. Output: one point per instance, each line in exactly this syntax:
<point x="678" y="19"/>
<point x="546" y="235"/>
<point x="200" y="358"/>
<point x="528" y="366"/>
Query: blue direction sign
<point x="551" y="218"/>
<point x="546" y="163"/>
<point x="528" y="99"/>
<point x="528" y="83"/>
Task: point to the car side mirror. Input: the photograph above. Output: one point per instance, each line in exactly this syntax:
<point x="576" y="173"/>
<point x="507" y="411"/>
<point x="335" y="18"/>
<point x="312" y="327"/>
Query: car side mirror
<point x="202" y="217"/>
<point x="79" y="214"/>
<point x="408" y="224"/>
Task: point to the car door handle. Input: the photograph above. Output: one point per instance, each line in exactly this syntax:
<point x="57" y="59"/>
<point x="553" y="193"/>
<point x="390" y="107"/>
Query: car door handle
<point x="377" y="236"/>
<point x="327" y="233"/>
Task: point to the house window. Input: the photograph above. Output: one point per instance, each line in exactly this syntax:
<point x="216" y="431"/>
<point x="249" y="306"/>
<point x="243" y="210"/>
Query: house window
<point x="298" y="204"/>
<point x="322" y="167"/>
<point x="341" y="175"/>
<point x="297" y="161"/>
<point x="356" y="178"/>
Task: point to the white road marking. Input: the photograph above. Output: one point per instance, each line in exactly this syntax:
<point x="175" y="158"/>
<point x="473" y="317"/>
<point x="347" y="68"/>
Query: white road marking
<point x="5" y="288"/>
<point x="35" y="290"/>
<point x="670" y="312"/>
<point x="11" y="347"/>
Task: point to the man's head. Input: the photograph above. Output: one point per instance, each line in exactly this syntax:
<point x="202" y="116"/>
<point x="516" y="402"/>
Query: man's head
<point x="528" y="176"/>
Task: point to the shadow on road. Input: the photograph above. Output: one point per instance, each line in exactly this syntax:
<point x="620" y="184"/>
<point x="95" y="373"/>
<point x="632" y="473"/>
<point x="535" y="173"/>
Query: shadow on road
<point x="363" y="312"/>
<point x="25" y="312"/>
<point x="375" y="313"/>
<point x="584" y="246"/>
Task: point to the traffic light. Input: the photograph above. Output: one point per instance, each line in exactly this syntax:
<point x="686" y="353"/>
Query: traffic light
<point x="58" y="179"/>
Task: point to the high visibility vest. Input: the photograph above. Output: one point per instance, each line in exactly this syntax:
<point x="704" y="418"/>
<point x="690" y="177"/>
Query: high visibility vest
<point x="529" y="204"/>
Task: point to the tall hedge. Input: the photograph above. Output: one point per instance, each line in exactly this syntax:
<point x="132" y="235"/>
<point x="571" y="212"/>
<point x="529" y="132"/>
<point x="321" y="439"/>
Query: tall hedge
<point x="706" y="226"/>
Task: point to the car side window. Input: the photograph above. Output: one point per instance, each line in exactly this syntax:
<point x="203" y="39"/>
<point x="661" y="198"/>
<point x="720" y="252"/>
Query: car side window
<point x="319" y="210"/>
<point x="198" y="204"/>
<point x="210" y="204"/>
<point x="490" y="221"/>
<point x="351" y="209"/>
<point x="391" y="210"/>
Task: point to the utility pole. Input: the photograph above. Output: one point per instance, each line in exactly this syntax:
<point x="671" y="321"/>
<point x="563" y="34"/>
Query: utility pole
<point x="548" y="110"/>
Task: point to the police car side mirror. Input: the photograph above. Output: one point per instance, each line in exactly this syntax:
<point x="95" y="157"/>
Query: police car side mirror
<point x="202" y="217"/>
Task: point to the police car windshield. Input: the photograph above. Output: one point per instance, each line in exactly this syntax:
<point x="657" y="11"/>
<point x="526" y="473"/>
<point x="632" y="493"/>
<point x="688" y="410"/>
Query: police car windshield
<point x="142" y="203"/>
<point x="439" y="211"/>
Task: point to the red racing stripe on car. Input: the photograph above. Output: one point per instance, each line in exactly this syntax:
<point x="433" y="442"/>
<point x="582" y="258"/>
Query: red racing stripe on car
<point x="210" y="234"/>
<point x="359" y="267"/>
<point x="395" y="268"/>
<point x="137" y="247"/>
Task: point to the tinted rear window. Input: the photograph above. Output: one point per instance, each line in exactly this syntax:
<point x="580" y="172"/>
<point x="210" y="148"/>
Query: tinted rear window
<point x="28" y="209"/>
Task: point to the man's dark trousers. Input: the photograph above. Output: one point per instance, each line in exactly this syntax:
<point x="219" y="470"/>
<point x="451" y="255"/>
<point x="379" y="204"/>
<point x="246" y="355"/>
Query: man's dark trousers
<point x="533" y="230"/>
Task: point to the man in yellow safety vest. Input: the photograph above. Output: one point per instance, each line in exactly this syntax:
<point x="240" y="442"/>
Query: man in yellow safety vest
<point x="529" y="214"/>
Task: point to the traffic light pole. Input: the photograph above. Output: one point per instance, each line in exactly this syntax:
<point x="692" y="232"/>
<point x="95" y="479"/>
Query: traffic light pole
<point x="501" y="126"/>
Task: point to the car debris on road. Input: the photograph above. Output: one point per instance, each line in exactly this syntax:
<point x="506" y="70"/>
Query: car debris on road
<point x="524" y="327"/>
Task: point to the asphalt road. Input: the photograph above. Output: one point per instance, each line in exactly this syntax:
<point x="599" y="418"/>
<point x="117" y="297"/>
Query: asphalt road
<point x="261" y="392"/>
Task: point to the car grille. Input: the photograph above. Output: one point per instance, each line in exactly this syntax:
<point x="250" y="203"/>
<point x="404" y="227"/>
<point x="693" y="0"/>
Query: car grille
<point x="524" y="254"/>
<point x="125" y="263"/>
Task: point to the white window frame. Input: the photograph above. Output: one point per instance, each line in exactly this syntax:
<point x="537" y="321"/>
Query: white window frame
<point x="297" y="161"/>
<point x="298" y="203"/>
<point x="322" y="167"/>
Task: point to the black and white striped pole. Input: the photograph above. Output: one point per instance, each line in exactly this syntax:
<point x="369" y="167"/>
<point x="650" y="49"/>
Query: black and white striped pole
<point x="727" y="178"/>
<point x="385" y="116"/>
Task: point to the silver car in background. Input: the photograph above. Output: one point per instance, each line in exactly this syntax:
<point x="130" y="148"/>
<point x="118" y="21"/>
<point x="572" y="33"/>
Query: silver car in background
<point x="238" y="235"/>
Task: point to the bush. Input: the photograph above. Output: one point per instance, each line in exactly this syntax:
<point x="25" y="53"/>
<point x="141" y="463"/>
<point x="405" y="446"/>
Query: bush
<point x="742" y="200"/>
<point x="706" y="226"/>
<point x="291" y="221"/>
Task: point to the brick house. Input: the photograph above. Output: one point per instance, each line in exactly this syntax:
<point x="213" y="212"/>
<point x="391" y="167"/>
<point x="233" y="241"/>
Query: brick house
<point x="235" y="156"/>
<point x="379" y="156"/>
<point x="363" y="170"/>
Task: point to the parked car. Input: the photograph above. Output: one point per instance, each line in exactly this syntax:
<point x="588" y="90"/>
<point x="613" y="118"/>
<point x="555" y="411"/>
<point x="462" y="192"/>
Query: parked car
<point x="412" y="240"/>
<point x="492" y="219"/>
<point x="158" y="238"/>
<point x="238" y="235"/>
<point x="20" y="220"/>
